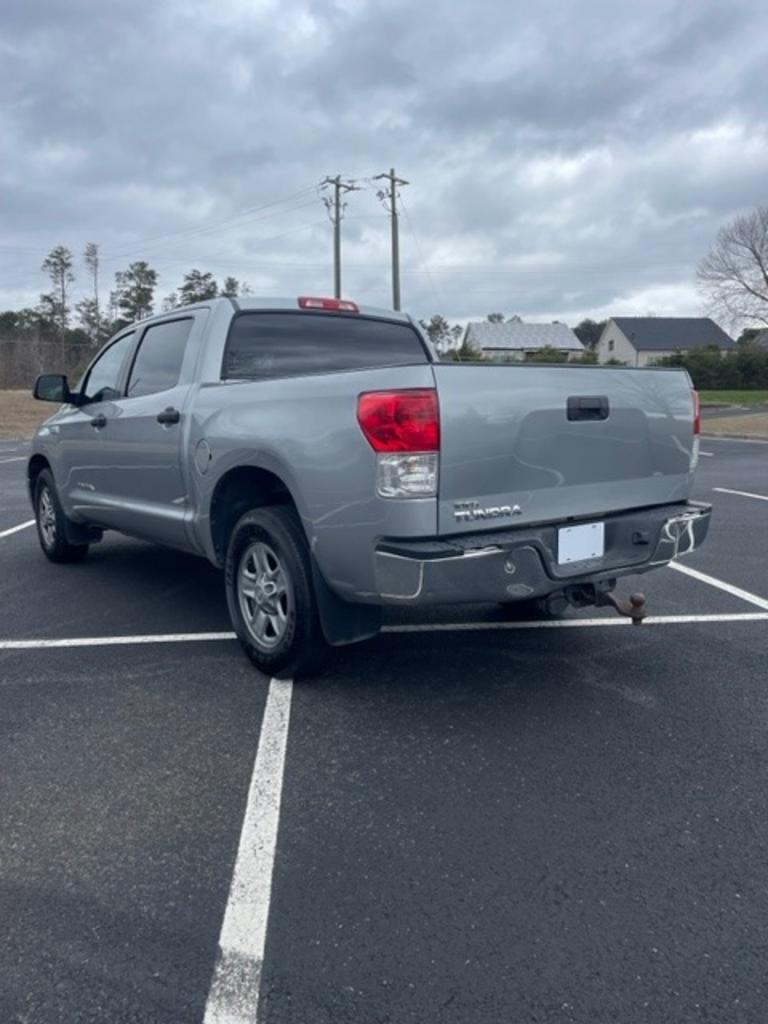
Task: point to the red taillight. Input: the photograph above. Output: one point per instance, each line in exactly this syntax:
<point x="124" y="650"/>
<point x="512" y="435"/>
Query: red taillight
<point x="400" y="421"/>
<point x="331" y="305"/>
<point x="696" y="412"/>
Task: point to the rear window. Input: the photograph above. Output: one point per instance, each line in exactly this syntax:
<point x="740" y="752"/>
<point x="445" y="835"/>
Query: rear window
<point x="288" y="344"/>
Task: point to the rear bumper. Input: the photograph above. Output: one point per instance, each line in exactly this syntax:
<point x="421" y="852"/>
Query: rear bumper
<point x="513" y="565"/>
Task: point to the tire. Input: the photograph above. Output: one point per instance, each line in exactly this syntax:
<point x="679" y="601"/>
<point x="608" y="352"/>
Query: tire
<point x="270" y="594"/>
<point x="51" y="523"/>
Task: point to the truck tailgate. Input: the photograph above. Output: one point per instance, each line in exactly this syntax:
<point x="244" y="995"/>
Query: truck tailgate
<point x="544" y="443"/>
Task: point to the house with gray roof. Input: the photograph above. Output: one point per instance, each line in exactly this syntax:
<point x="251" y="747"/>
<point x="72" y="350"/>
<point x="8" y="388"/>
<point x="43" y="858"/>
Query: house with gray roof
<point x="641" y="340"/>
<point x="518" y="340"/>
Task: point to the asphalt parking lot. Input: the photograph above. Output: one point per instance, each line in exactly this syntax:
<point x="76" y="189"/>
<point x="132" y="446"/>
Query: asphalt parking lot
<point x="468" y="820"/>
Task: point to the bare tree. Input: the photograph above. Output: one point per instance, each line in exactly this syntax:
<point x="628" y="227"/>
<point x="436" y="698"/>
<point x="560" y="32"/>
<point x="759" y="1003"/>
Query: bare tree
<point x="54" y="304"/>
<point x="734" y="274"/>
<point x="91" y="260"/>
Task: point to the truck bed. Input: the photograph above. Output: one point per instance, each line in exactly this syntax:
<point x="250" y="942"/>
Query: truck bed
<point x="524" y="444"/>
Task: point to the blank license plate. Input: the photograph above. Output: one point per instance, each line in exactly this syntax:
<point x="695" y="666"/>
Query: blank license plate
<point x="579" y="543"/>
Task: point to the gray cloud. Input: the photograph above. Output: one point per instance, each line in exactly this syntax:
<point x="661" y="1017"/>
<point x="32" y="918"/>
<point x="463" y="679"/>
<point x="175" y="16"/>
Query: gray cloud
<point x="564" y="158"/>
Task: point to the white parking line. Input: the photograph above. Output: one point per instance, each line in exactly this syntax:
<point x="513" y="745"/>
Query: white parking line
<point x="17" y="458"/>
<point x="426" y="627"/>
<point x="708" y="454"/>
<point x="112" y="641"/>
<point x="234" y="994"/>
<point x="732" y="440"/>
<point x="652" y="620"/>
<point x="15" y="529"/>
<point x="742" y="494"/>
<point x="729" y="588"/>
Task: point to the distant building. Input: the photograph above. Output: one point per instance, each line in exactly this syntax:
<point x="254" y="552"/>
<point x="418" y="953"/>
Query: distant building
<point x="640" y="340"/>
<point x="519" y="340"/>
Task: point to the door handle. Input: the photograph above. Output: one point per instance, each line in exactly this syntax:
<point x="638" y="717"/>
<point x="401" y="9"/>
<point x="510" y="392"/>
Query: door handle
<point x="99" y="421"/>
<point x="169" y="415"/>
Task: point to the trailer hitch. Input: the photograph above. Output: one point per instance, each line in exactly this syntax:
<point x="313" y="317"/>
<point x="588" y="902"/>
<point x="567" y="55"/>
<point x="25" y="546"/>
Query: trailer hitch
<point x="633" y="606"/>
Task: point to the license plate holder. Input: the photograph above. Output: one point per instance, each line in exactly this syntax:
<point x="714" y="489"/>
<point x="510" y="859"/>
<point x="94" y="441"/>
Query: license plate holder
<point x="581" y="543"/>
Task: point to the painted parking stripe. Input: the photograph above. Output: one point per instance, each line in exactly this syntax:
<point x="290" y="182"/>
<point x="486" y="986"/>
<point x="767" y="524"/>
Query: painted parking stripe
<point x="234" y="994"/>
<point x="651" y="620"/>
<point x="16" y="529"/>
<point x="427" y="627"/>
<point x="729" y="588"/>
<point x="733" y="440"/>
<point x="16" y="458"/>
<point x="708" y="454"/>
<point x="112" y="641"/>
<point x="741" y="494"/>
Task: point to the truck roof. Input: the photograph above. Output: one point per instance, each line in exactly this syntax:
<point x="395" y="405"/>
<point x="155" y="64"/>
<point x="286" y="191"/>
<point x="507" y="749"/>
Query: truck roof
<point x="274" y="303"/>
<point x="254" y="302"/>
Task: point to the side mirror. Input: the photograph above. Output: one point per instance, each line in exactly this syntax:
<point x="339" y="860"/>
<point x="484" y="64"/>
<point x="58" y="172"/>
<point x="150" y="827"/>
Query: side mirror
<point x="53" y="387"/>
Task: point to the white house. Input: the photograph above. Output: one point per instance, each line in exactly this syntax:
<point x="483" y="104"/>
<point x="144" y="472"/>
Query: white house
<point x="518" y="340"/>
<point x="640" y="340"/>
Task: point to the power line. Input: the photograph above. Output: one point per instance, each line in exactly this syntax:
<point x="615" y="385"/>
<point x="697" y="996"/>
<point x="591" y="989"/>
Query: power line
<point x="423" y="263"/>
<point x="243" y="216"/>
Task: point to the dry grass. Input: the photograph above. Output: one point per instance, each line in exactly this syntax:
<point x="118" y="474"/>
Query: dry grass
<point x="755" y="425"/>
<point x="21" y="414"/>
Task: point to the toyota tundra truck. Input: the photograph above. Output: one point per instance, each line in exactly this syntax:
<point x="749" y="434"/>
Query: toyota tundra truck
<point x="322" y="455"/>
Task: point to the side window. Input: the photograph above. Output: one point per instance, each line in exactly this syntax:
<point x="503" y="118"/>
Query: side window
<point x="101" y="383"/>
<point x="157" y="365"/>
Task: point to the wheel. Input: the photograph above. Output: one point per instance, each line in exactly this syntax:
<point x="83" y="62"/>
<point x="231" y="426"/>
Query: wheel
<point x="51" y="523"/>
<point x="270" y="593"/>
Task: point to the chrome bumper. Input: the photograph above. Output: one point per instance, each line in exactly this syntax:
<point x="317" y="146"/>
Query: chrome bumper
<point x="519" y="564"/>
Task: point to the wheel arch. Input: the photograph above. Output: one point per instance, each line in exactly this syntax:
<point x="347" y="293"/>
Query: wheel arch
<point x="35" y="466"/>
<point x="238" y="490"/>
<point x="242" y="488"/>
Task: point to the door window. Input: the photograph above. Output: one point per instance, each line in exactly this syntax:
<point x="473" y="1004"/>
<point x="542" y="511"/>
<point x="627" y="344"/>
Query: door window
<point x="157" y="365"/>
<point x="101" y="383"/>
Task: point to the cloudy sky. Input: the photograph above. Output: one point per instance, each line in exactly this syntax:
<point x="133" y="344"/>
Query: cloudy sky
<point x="564" y="158"/>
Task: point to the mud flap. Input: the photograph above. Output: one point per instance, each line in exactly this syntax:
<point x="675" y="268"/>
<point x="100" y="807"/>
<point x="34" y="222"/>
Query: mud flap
<point x="343" y="622"/>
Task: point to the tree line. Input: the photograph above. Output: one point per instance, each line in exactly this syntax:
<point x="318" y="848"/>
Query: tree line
<point x="733" y="277"/>
<point x="132" y="297"/>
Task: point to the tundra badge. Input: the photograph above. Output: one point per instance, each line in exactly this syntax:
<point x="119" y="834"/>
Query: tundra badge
<point x="467" y="511"/>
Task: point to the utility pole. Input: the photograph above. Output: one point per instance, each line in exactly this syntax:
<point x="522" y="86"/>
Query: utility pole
<point x="335" y="209"/>
<point x="390" y="195"/>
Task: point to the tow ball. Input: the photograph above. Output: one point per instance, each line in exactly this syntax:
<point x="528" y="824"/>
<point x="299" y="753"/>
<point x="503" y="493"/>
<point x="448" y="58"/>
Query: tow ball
<point x="633" y="606"/>
<point x="601" y="594"/>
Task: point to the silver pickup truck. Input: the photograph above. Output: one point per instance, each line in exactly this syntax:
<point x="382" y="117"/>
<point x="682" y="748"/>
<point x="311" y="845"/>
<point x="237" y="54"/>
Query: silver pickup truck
<point x="322" y="455"/>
